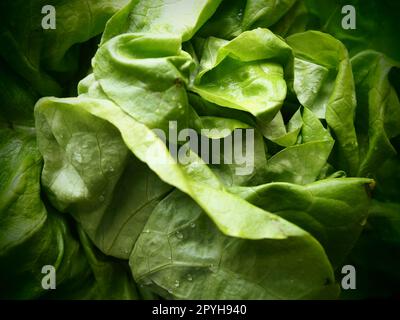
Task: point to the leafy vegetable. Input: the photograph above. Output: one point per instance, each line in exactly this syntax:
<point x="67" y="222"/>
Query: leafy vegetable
<point x="324" y="83"/>
<point x="108" y="125"/>
<point x="378" y="114"/>
<point x="45" y="61"/>
<point x="246" y="73"/>
<point x="181" y="254"/>
<point x="235" y="17"/>
<point x="376" y="22"/>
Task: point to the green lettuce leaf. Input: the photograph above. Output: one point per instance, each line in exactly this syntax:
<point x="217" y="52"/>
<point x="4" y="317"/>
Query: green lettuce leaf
<point x="246" y="73"/>
<point x="376" y="24"/>
<point x="38" y="54"/>
<point x="236" y="16"/>
<point x="194" y="178"/>
<point x="159" y="17"/>
<point x="323" y="82"/>
<point x="34" y="235"/>
<point x="332" y="210"/>
<point x="102" y="187"/>
<point x="378" y="109"/>
<point x="182" y="255"/>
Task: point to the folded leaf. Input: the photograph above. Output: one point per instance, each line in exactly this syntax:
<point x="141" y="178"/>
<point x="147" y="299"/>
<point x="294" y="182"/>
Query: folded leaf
<point x="34" y="236"/>
<point x="38" y="54"/>
<point x="323" y="82"/>
<point x="235" y="16"/>
<point x="239" y="219"/>
<point x="182" y="255"/>
<point x="376" y="22"/>
<point x="246" y="73"/>
<point x="332" y="210"/>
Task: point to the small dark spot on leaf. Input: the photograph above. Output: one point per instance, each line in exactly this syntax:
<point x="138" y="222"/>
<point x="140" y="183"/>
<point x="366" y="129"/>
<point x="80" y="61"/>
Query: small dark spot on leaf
<point x="178" y="82"/>
<point x="327" y="282"/>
